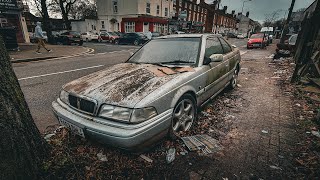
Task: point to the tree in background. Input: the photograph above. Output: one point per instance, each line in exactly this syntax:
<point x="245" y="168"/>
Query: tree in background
<point x="84" y="9"/>
<point x="22" y="149"/>
<point x="270" y="19"/>
<point x="64" y="7"/>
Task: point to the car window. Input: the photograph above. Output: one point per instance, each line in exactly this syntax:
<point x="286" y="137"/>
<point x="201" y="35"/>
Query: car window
<point x="226" y="47"/>
<point x="169" y="51"/>
<point x="66" y="33"/>
<point x="213" y="46"/>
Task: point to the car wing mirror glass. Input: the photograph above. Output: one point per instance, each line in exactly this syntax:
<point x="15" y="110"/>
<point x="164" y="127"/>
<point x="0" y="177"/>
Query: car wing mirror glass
<point x="216" y="57"/>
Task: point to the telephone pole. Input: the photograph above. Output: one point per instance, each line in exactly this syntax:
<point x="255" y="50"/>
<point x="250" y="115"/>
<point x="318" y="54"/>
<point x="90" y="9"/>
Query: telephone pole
<point x="286" y="26"/>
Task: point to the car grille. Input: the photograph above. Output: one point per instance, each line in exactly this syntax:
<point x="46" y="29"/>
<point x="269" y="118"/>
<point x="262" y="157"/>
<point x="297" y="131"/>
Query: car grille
<point x="256" y="43"/>
<point x="82" y="104"/>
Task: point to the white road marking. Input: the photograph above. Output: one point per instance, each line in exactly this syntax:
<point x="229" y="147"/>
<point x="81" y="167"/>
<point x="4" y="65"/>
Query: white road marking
<point x="62" y="72"/>
<point x="243" y="52"/>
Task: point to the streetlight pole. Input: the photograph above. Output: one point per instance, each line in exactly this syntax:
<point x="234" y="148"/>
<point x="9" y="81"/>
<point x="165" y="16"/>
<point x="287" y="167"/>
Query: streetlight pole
<point x="243" y="5"/>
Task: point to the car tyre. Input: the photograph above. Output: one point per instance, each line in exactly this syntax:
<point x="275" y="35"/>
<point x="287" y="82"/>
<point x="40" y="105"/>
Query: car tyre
<point x="87" y="40"/>
<point x="183" y="117"/>
<point x="136" y="42"/>
<point x="234" y="79"/>
<point x="116" y="42"/>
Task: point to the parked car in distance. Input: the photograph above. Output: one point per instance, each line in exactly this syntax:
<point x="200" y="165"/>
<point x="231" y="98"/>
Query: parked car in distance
<point x="155" y="93"/>
<point x="179" y="32"/>
<point x="240" y="36"/>
<point x="69" y="37"/>
<point x="119" y="33"/>
<point x="108" y="36"/>
<point x="257" y="41"/>
<point x="231" y="35"/>
<point x="90" y="36"/>
<point x="132" y="38"/>
<point x="269" y="33"/>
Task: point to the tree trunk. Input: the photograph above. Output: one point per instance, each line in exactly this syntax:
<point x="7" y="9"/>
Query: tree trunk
<point x="45" y="16"/>
<point x="22" y="149"/>
<point x="65" y="15"/>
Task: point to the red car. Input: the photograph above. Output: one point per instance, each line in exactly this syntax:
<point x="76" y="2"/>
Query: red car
<point x="257" y="41"/>
<point x="108" y="36"/>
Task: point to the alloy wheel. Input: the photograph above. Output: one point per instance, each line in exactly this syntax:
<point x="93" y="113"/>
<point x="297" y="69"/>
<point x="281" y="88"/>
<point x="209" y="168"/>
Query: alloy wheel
<point x="234" y="79"/>
<point x="136" y="42"/>
<point x="183" y="116"/>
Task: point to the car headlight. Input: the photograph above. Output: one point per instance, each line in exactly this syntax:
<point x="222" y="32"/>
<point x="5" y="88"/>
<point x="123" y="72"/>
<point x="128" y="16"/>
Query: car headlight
<point x="143" y="114"/>
<point x="124" y="114"/>
<point x="117" y="113"/>
<point x="64" y="96"/>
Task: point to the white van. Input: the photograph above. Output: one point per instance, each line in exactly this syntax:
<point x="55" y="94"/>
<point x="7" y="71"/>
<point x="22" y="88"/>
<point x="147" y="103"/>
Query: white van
<point x="269" y="31"/>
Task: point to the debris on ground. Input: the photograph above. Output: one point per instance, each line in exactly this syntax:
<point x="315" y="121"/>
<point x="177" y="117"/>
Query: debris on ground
<point x="102" y="157"/>
<point x="146" y="158"/>
<point x="264" y="131"/>
<point x="204" y="143"/>
<point x="171" y="155"/>
<point x="316" y="133"/>
<point x="48" y="136"/>
<point x="275" y="167"/>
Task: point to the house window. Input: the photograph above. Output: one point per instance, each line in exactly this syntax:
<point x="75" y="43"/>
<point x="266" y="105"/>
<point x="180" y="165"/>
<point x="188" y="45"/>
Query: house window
<point x="158" y="9"/>
<point x="129" y="27"/>
<point x="115" y="6"/>
<point x="166" y="12"/>
<point x="102" y="25"/>
<point x="148" y="8"/>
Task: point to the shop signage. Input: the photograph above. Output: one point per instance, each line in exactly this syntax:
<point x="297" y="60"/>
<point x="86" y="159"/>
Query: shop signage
<point x="8" y="4"/>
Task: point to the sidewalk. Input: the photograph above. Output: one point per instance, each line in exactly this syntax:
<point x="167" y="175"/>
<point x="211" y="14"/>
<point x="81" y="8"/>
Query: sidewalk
<point x="28" y="52"/>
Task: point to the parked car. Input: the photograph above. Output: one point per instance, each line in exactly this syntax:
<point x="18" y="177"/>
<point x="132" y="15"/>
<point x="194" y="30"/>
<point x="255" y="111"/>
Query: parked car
<point x="132" y="38"/>
<point x="69" y="37"/>
<point x="155" y="93"/>
<point x="269" y="33"/>
<point x="257" y="41"/>
<point x="231" y="35"/>
<point x="90" y="36"/>
<point x="179" y="32"/>
<point x="240" y="36"/>
<point x="108" y="36"/>
<point x="120" y="34"/>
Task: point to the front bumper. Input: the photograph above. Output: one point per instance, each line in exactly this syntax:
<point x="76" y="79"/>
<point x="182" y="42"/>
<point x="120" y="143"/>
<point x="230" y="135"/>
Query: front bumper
<point x="126" y="136"/>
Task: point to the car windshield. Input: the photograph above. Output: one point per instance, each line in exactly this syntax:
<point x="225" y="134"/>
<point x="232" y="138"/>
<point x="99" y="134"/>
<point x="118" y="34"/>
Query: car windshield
<point x="168" y="51"/>
<point x="256" y="36"/>
<point x="74" y="33"/>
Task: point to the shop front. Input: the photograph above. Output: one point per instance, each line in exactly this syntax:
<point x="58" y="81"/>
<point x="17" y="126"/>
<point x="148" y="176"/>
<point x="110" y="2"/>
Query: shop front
<point x="11" y="18"/>
<point x="144" y="24"/>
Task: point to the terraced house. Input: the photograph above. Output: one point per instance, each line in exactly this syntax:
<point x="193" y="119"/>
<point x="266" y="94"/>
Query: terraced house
<point x="134" y="15"/>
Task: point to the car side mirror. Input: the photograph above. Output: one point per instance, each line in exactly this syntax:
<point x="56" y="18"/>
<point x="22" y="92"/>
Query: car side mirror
<point x="216" y="57"/>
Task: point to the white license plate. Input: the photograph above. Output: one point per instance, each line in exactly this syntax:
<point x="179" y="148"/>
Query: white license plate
<point x="73" y="128"/>
<point x="256" y="45"/>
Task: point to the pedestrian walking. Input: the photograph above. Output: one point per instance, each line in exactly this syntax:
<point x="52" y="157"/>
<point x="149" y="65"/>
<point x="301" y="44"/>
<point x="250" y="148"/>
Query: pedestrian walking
<point x="39" y="36"/>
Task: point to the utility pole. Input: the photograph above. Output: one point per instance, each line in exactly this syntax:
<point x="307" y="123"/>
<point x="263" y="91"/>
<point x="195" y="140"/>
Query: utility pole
<point x="286" y="26"/>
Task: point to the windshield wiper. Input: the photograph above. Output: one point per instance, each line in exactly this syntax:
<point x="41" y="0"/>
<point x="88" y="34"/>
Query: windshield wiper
<point x="177" y="62"/>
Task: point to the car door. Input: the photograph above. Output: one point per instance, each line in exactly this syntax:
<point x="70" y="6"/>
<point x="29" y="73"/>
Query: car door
<point x="217" y="71"/>
<point x="230" y="57"/>
<point x="132" y="37"/>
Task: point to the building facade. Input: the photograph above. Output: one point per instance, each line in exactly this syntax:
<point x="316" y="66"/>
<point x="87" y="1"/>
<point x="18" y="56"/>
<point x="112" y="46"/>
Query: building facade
<point x="198" y="16"/>
<point x="134" y="15"/>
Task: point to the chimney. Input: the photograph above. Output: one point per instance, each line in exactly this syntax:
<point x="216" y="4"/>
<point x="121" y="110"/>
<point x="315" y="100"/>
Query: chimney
<point x="233" y="12"/>
<point x="225" y="9"/>
<point x="239" y="13"/>
<point x="247" y="14"/>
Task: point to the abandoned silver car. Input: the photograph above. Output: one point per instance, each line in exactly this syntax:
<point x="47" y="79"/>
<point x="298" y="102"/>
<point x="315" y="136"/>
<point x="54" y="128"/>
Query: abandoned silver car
<point x="154" y="94"/>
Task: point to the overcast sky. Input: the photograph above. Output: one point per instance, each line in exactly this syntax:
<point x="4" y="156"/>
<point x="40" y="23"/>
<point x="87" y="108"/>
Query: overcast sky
<point x="258" y="8"/>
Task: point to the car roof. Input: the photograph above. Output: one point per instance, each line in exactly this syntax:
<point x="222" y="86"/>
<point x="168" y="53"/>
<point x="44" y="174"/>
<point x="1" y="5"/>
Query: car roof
<point x="190" y="36"/>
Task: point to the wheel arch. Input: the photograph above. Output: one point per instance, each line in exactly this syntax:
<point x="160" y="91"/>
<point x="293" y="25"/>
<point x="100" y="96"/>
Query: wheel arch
<point x="182" y="91"/>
